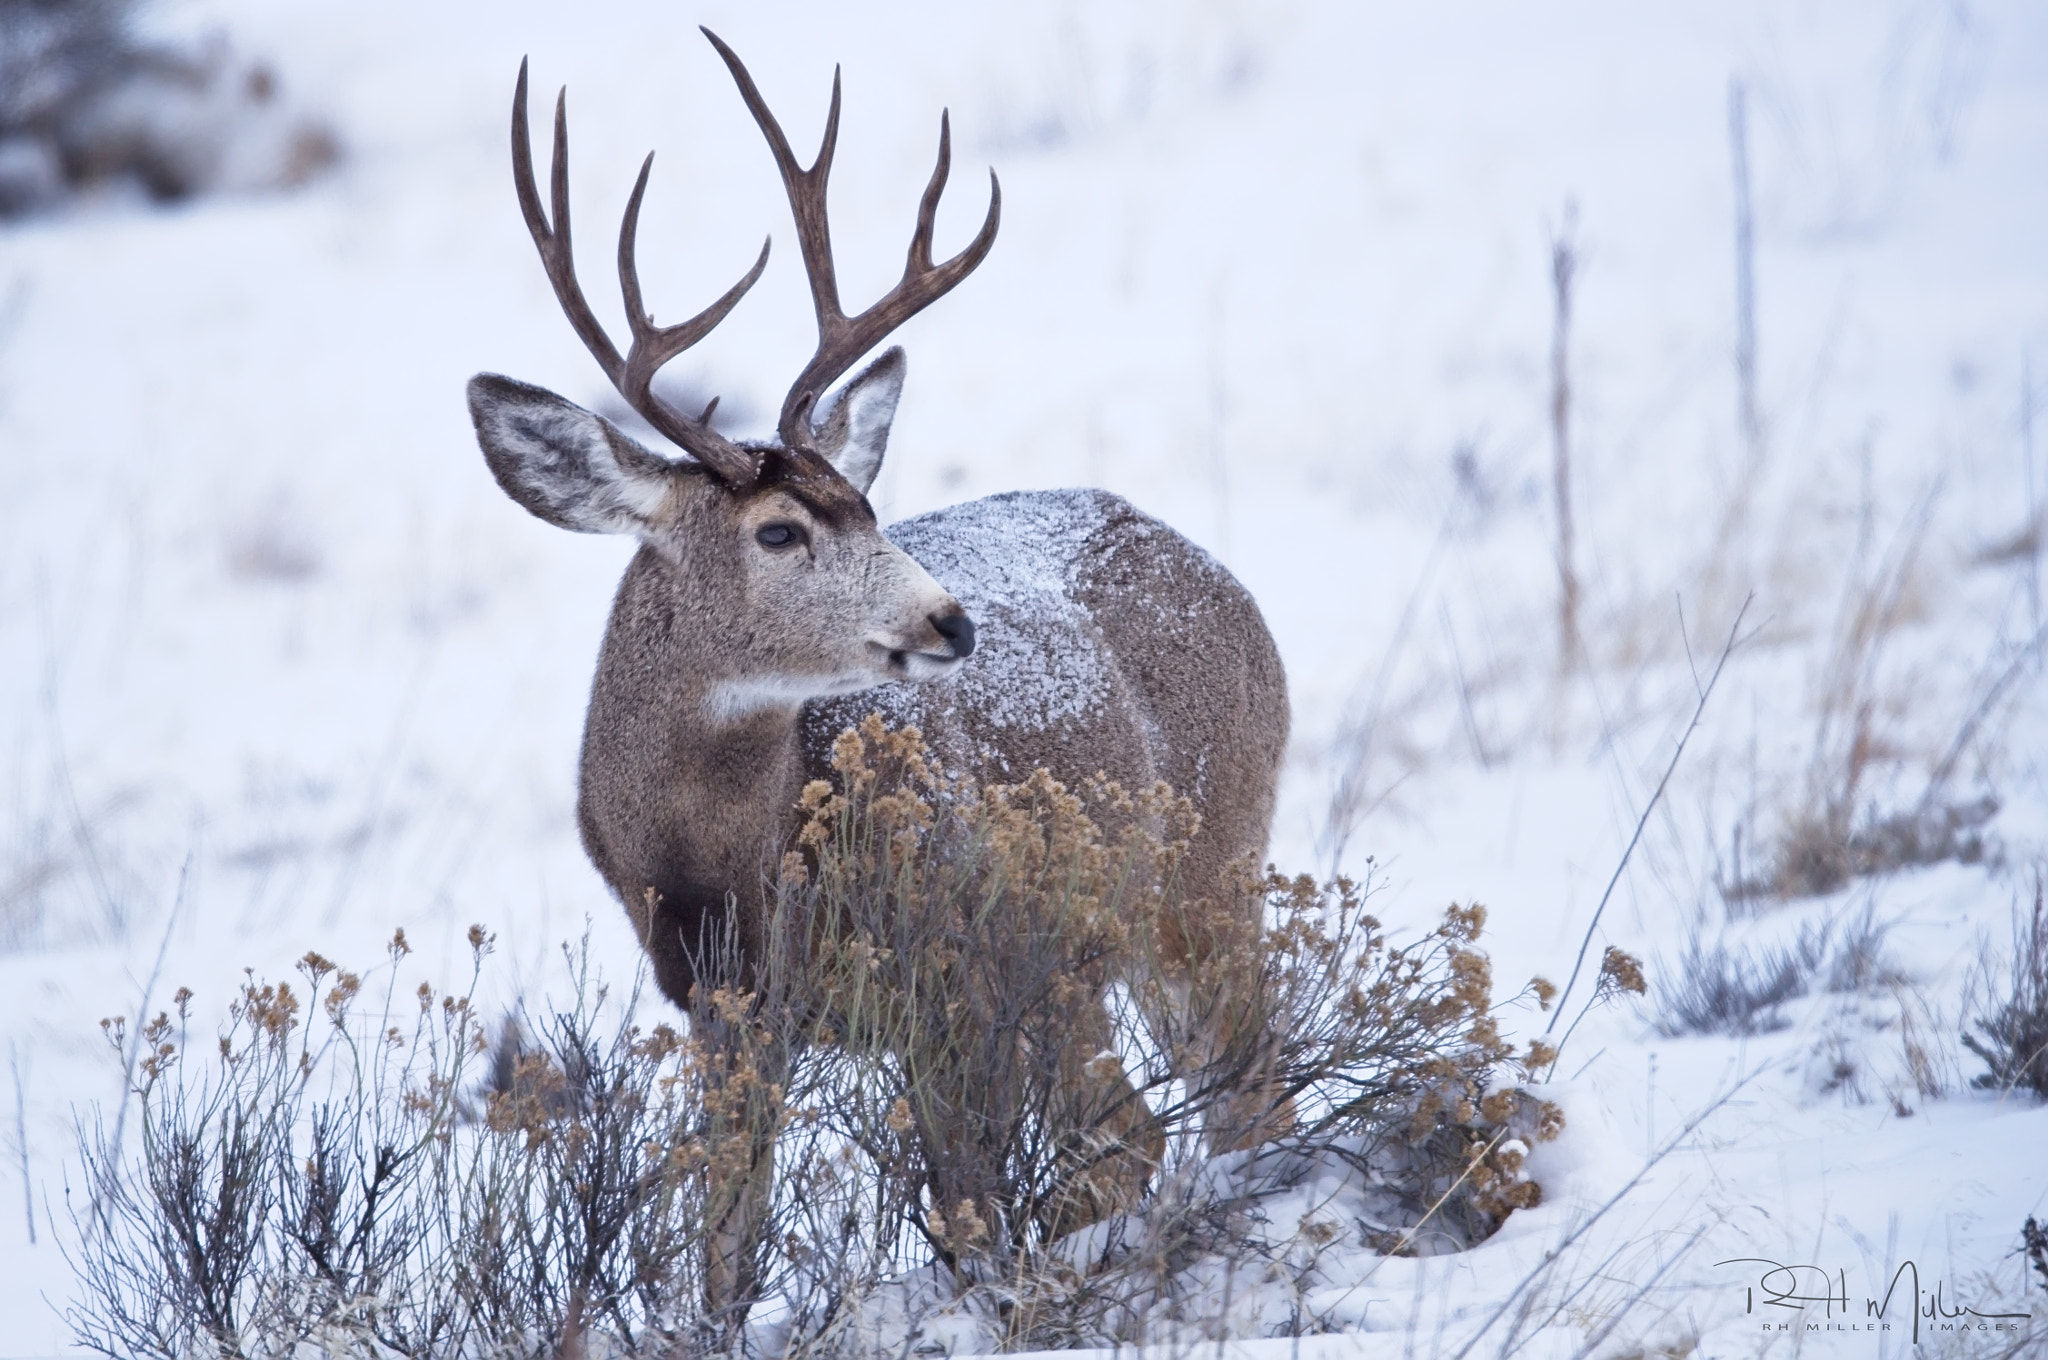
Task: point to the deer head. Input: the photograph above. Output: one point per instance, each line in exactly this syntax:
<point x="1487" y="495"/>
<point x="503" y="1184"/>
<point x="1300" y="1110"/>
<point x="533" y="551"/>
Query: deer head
<point x="780" y="577"/>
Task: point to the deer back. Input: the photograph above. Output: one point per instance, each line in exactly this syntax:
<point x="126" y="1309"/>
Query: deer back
<point x="1108" y="643"/>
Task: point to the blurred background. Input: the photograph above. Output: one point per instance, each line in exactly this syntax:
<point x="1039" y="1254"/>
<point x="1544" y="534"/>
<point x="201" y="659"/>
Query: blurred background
<point x="1356" y="296"/>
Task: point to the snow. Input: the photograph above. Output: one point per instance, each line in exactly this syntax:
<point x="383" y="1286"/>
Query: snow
<point x="1280" y="275"/>
<point x="1010" y="560"/>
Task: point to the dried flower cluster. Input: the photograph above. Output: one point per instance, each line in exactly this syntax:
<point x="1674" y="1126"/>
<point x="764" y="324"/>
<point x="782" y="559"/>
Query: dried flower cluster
<point x="985" y="1017"/>
<point x="1046" y="1034"/>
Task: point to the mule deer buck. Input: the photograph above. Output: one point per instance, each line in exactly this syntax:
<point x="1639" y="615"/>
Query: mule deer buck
<point x="766" y="610"/>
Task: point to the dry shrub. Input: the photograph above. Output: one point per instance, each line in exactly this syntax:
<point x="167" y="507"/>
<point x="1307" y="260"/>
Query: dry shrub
<point x="1835" y="831"/>
<point x="1741" y="990"/>
<point x="2012" y="1027"/>
<point x="276" y="1196"/>
<point x="961" y="943"/>
<point x="984" y="1020"/>
<point x="2034" y="1246"/>
<point x="1928" y="1065"/>
<point x="1823" y="848"/>
<point x="320" y="1183"/>
<point x="1038" y="1020"/>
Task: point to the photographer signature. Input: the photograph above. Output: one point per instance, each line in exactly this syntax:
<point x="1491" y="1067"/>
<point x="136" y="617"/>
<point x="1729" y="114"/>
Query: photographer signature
<point x="1801" y="1287"/>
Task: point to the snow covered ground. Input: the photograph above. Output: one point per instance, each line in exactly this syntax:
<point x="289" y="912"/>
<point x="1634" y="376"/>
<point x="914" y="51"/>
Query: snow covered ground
<point x="281" y="668"/>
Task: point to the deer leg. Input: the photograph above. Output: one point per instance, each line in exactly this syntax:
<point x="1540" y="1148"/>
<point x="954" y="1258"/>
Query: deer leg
<point x="736" y="1215"/>
<point x="743" y="1114"/>
<point x="1112" y="1141"/>
<point x="1253" y="1108"/>
<point x="1234" y="1049"/>
<point x="1226" y="1047"/>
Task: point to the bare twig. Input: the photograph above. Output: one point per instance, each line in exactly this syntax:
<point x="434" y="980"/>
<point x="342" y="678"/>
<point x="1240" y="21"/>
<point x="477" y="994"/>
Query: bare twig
<point x="1564" y="265"/>
<point x="111" y="908"/>
<point x="1520" y="1334"/>
<point x="2029" y="652"/>
<point x="28" y="1202"/>
<point x="1219" y="416"/>
<point x="1699" y="709"/>
<point x="135" y="1040"/>
<point x="1465" y="709"/>
<point x="1745" y="273"/>
<point x="1348" y="804"/>
<point x="382" y="785"/>
<point x="1641" y="1291"/>
<point x="2033" y="528"/>
<point x="1585" y="1225"/>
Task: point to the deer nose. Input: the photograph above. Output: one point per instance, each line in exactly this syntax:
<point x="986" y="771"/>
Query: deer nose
<point x="958" y="631"/>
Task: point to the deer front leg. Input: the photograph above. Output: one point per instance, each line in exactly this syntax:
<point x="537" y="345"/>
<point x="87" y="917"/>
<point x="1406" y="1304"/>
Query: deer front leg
<point x="742" y="1117"/>
<point x="1113" y="1142"/>
<point x="1213" y="1015"/>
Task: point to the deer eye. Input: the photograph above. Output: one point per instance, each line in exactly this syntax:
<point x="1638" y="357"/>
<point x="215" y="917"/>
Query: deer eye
<point x="778" y="535"/>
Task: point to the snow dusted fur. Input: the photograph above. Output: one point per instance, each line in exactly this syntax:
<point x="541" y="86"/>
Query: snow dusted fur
<point x="1107" y="643"/>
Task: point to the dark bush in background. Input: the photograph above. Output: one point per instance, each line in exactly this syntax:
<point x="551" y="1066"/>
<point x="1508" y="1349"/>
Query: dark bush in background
<point x="86" y="101"/>
<point x="2012" y="1023"/>
<point x="1740" y="990"/>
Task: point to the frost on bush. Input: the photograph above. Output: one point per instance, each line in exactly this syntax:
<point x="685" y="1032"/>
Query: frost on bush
<point x="990" y="1078"/>
<point x="86" y="101"/>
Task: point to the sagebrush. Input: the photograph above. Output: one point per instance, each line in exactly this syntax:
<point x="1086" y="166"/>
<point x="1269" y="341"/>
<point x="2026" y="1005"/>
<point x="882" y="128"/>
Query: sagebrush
<point x="2012" y="1022"/>
<point x="988" y="1017"/>
<point x="1738" y="990"/>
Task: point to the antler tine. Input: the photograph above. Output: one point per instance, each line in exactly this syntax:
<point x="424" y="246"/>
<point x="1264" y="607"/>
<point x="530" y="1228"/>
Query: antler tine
<point x="806" y="188"/>
<point x="553" y="244"/>
<point x="655" y="345"/>
<point x="843" y="339"/>
<point x="652" y="346"/>
<point x="928" y="206"/>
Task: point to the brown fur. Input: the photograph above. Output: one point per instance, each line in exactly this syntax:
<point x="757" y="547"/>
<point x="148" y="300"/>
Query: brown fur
<point x="1191" y="692"/>
<point x="758" y="621"/>
<point x="1107" y="644"/>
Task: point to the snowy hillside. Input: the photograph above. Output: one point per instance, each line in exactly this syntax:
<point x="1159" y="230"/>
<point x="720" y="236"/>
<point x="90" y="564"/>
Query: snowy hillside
<point x="281" y="668"/>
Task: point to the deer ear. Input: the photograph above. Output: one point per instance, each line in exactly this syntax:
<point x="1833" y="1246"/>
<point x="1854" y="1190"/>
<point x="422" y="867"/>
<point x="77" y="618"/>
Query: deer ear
<point x="563" y="463"/>
<point x="854" y="433"/>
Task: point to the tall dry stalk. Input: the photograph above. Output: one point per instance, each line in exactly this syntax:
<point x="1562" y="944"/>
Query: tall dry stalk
<point x="2031" y="535"/>
<point x="1564" y="267"/>
<point x="1747" y="417"/>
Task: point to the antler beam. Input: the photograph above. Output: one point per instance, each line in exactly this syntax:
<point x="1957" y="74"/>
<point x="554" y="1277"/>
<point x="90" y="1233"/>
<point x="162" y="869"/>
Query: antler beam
<point x="652" y="345"/>
<point x="843" y="339"/>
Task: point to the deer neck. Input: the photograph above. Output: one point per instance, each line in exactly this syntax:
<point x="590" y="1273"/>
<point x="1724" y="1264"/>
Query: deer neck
<point x="689" y="773"/>
<point x="734" y="777"/>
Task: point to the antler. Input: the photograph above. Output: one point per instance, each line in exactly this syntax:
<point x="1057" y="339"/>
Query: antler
<point x="652" y="345"/>
<point x="843" y="339"/>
